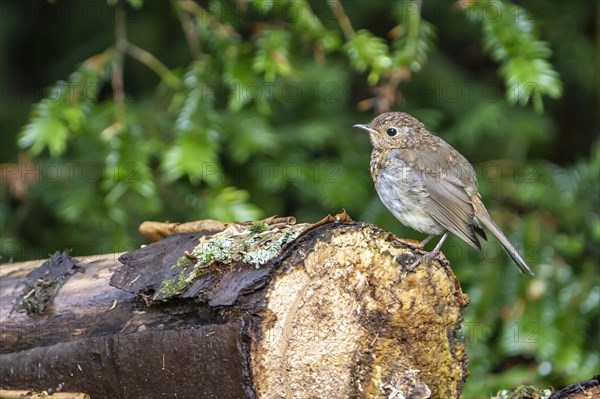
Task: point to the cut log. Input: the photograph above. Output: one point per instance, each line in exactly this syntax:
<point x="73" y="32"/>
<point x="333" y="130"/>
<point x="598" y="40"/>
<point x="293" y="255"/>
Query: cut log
<point x="330" y="310"/>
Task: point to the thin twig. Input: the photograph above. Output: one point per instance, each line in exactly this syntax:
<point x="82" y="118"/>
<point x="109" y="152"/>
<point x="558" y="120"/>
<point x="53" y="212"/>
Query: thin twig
<point x="153" y="63"/>
<point x="117" y="70"/>
<point x="205" y="17"/>
<point x="342" y="18"/>
<point x="194" y="9"/>
<point x="191" y="32"/>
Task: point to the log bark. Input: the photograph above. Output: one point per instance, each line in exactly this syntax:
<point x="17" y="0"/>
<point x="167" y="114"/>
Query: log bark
<point x="330" y="310"/>
<point x="588" y="389"/>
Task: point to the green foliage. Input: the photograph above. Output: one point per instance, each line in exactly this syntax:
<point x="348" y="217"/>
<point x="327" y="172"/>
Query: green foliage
<point x="415" y="40"/>
<point x="196" y="144"/>
<point x="241" y="110"/>
<point x="368" y="51"/>
<point x="551" y="316"/>
<point x="508" y="35"/>
<point x="136" y="4"/>
<point x="272" y="55"/>
<point x="62" y="112"/>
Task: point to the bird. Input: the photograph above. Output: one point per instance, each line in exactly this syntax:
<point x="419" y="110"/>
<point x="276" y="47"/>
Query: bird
<point x="428" y="185"/>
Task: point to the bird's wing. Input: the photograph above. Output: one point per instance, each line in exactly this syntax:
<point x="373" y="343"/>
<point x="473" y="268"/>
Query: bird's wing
<point x="448" y="179"/>
<point x="449" y="204"/>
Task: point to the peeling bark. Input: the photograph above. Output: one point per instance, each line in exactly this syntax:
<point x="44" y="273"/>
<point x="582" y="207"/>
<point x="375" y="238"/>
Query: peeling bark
<point x="588" y="389"/>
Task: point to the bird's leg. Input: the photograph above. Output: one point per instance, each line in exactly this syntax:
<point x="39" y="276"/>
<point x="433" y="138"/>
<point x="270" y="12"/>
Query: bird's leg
<point x="432" y="254"/>
<point x="437" y="248"/>
<point x="426" y="241"/>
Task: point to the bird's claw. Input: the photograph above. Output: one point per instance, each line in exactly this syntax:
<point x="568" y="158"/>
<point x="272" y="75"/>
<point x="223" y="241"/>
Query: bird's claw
<point x="423" y="258"/>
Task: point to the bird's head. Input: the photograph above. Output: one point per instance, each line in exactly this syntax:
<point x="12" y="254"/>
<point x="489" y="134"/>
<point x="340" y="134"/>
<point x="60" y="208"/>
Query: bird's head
<point x="392" y="130"/>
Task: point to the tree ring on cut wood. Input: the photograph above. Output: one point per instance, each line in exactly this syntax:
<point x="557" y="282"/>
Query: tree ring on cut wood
<point x="344" y="319"/>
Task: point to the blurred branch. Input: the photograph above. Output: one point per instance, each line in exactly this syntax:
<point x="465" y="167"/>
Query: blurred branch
<point x="153" y="63"/>
<point x="342" y="18"/>
<point x="122" y="47"/>
<point x="191" y="33"/>
<point x="204" y="16"/>
<point x="117" y="70"/>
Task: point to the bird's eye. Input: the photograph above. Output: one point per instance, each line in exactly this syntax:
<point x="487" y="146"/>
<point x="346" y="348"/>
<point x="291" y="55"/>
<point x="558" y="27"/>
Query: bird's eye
<point x="392" y="132"/>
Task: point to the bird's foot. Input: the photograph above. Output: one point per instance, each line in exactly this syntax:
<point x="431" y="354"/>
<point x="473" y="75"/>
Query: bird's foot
<point x="424" y="258"/>
<point x="429" y="255"/>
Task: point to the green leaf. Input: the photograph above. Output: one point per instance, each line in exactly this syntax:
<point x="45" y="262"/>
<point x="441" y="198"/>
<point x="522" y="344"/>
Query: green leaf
<point x="63" y="112"/>
<point x="368" y="51"/>
<point x="194" y="154"/>
<point x="304" y="21"/>
<point x="232" y="204"/>
<point x="272" y="55"/>
<point x="137" y="4"/>
<point x="263" y="6"/>
<point x="50" y="133"/>
<point x="256" y="137"/>
<point x="242" y="82"/>
<point x="528" y="79"/>
<point x="414" y="38"/>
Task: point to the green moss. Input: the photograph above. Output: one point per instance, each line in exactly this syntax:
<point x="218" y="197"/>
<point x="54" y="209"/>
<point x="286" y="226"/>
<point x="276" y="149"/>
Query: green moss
<point x="174" y="287"/>
<point x="258" y="227"/>
<point x="218" y="248"/>
<point x="523" y="392"/>
<point x="255" y="246"/>
<point x="184" y="261"/>
<point x="267" y="250"/>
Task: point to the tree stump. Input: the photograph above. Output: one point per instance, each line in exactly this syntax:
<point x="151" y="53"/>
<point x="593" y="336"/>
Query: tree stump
<point x="279" y="310"/>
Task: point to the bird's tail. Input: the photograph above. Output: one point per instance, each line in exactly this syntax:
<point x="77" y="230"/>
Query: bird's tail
<point x="484" y="217"/>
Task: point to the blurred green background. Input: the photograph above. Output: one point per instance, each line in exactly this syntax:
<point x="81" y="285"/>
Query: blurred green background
<point x="113" y="113"/>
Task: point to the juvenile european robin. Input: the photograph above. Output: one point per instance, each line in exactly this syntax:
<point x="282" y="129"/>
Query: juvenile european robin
<point x="428" y="185"/>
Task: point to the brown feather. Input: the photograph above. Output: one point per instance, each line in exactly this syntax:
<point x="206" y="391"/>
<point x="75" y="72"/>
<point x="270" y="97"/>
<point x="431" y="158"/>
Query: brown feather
<point x="449" y="204"/>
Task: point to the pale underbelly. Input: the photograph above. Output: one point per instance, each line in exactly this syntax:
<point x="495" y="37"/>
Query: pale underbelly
<point x="400" y="197"/>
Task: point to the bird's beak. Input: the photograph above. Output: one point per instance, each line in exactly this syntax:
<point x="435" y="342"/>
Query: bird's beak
<point x="366" y="127"/>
